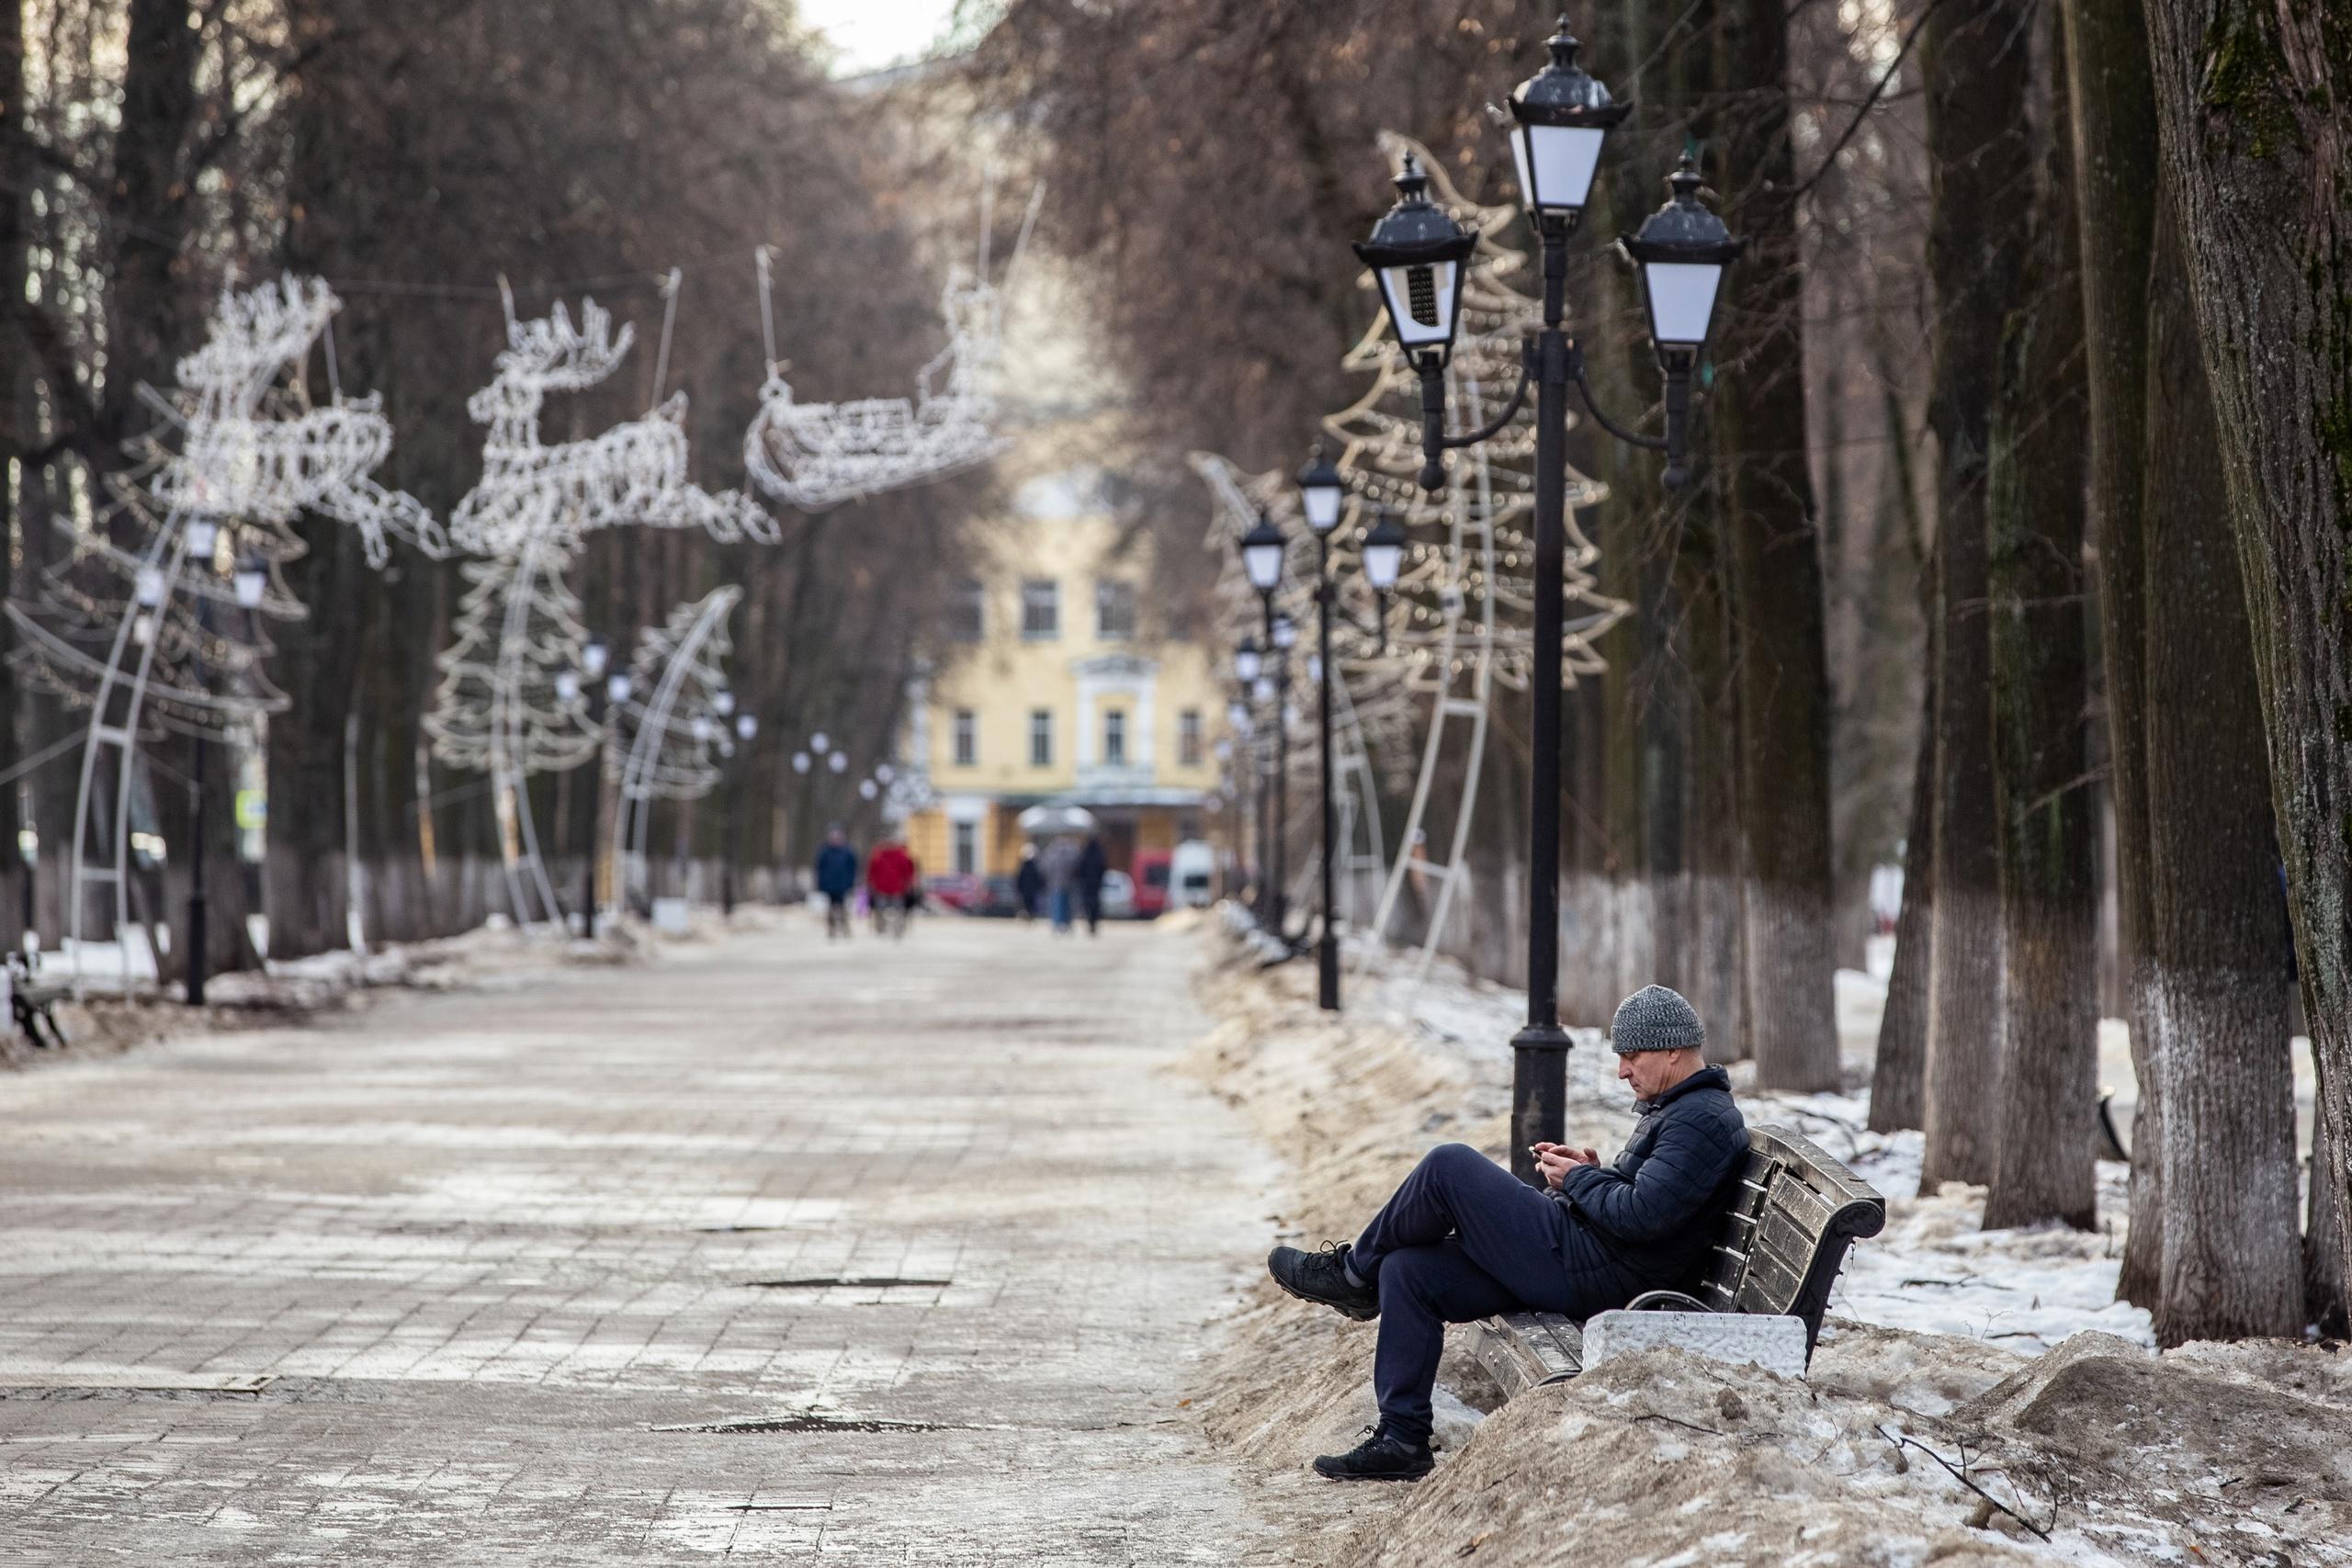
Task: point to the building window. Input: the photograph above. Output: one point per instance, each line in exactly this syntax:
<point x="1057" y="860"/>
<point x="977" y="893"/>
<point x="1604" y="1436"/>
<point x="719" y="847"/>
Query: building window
<point x="1041" y="608"/>
<point x="967" y="849"/>
<point x="1188" y="738"/>
<point x="1041" y="738"/>
<point x="1114" y="737"/>
<point x="1114" y="610"/>
<point x="967" y="604"/>
<point x="967" y="737"/>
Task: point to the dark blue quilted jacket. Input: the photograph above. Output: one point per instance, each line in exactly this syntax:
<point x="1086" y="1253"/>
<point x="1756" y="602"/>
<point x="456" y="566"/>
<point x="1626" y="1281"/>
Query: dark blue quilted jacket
<point x="1656" y="1207"/>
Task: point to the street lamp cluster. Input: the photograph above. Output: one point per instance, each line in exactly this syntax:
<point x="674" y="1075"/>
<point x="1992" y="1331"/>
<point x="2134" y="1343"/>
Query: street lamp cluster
<point x="608" y="690"/>
<point x="1416" y="252"/>
<point x="1264" y="675"/>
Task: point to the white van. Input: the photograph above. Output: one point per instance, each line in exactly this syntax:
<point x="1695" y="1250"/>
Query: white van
<point x="1192" y="875"/>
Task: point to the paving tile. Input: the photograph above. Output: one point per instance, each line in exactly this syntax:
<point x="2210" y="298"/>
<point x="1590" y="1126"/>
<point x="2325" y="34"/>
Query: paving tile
<point x="478" y="1242"/>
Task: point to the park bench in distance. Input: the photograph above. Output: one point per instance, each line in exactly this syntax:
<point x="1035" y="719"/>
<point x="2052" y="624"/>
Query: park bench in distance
<point x="31" y="1003"/>
<point x="1776" y="1256"/>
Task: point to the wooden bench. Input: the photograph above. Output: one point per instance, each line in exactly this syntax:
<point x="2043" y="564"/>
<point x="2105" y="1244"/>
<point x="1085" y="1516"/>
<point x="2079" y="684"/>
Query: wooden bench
<point x="32" y="1004"/>
<point x="1777" y="1252"/>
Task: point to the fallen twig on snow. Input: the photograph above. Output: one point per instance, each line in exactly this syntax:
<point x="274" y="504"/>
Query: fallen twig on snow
<point x="1904" y="1439"/>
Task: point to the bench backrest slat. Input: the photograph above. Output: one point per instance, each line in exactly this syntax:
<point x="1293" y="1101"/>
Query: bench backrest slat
<point x="1796" y="1213"/>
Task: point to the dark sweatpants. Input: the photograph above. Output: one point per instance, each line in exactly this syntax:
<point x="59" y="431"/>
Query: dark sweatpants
<point x="1463" y="1239"/>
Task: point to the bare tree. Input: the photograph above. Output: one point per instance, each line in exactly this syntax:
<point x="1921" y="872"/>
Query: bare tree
<point x="2114" y="117"/>
<point x="2039" y="636"/>
<point x="1776" y="578"/>
<point x="2254" y="107"/>
<point x="1977" y="73"/>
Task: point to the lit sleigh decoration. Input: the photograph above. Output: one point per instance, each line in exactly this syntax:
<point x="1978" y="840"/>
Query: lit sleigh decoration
<point x="154" y="621"/>
<point x="503" y="707"/>
<point x="816" y="456"/>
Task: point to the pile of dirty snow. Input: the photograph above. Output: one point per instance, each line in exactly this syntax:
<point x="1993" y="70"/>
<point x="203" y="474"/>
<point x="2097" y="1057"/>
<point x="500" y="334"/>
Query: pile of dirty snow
<point x="1938" y="1356"/>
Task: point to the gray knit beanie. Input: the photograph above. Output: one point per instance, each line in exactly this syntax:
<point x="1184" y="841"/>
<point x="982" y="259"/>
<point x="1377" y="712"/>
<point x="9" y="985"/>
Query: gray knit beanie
<point x="1655" y="1019"/>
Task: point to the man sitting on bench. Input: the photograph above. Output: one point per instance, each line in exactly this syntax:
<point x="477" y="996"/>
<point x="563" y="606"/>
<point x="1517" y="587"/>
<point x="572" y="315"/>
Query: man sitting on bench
<point x="1464" y="1238"/>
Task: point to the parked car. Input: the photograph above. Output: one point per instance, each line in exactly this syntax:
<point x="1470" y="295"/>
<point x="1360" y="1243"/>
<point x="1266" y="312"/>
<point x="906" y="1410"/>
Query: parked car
<point x="1192" y="868"/>
<point x="1151" y="884"/>
<point x="954" y="890"/>
<point x="999" y="898"/>
<point x="1118" y="896"/>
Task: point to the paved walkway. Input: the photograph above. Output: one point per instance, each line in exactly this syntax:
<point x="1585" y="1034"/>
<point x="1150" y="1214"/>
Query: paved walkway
<point x="927" y="1216"/>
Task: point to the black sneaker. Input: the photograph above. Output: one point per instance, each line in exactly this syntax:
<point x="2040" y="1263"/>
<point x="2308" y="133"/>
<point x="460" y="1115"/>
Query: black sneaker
<point x="1322" y="1278"/>
<point x="1378" y="1458"/>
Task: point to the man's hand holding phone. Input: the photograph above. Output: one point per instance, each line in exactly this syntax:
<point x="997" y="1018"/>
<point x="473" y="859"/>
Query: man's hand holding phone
<point x="1555" y="1160"/>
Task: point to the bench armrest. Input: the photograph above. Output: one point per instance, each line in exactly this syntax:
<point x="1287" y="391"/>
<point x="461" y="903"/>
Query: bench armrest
<point x="1667" y="1301"/>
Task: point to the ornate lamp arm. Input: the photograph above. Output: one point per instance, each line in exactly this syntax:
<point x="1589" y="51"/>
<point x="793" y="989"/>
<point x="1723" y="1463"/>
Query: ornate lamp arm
<point x="1584" y="387"/>
<point x="1435" y="442"/>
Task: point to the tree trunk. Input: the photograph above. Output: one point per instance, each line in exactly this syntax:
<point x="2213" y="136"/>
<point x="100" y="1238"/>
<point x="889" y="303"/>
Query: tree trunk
<point x="1898" y="1075"/>
<point x="2114" y="116"/>
<point x="2254" y="104"/>
<point x="1718" y="979"/>
<point x="18" y="435"/>
<point x="2324" y="1279"/>
<point x="2217" y="955"/>
<point x="1977" y="73"/>
<point x="2040" y="751"/>
<point x="1776" y="581"/>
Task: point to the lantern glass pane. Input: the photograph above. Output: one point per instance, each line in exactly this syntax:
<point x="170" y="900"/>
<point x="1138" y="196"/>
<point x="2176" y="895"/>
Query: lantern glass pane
<point x="1562" y="158"/>
<point x="1323" y="507"/>
<point x="1246" y="663"/>
<point x="567" y="686"/>
<point x="251" y="585"/>
<point x="1420" y="302"/>
<point x="1264" y="565"/>
<point x="202" y="538"/>
<point x="1682" y="299"/>
<point x="1382" y="563"/>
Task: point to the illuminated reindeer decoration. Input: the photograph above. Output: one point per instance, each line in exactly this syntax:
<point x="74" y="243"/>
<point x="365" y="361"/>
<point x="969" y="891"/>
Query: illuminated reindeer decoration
<point x="508" y="703"/>
<point x="153" y="622"/>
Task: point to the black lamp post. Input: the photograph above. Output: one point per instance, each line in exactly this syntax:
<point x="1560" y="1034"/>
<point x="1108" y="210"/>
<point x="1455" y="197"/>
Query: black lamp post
<point x="249" y="584"/>
<point x="600" y="689"/>
<point x="1283" y="633"/>
<point x="1241" y="809"/>
<point x="722" y="703"/>
<point x="1249" y="676"/>
<point x="1262" y="549"/>
<point x="1322" y="493"/>
<point x="1561" y="118"/>
<point x="747" y="729"/>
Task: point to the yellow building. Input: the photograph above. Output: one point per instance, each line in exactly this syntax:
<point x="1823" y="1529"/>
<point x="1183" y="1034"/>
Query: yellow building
<point x="1061" y="691"/>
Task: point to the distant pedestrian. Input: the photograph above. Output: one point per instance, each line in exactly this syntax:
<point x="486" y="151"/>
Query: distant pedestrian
<point x="1029" y="882"/>
<point x="889" y="878"/>
<point x="836" y="876"/>
<point x="1091" y="868"/>
<point x="1059" y="863"/>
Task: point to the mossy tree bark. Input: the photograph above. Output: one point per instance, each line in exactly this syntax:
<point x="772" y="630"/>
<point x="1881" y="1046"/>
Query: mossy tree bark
<point x="1980" y="161"/>
<point x="1783" y="678"/>
<point x="2216" y="1009"/>
<point x="2039" y="636"/>
<point x="2254" y="107"/>
<point x="2114" y="117"/>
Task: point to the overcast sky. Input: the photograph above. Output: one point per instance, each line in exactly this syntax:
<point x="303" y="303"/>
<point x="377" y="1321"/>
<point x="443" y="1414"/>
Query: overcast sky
<point x="872" y="33"/>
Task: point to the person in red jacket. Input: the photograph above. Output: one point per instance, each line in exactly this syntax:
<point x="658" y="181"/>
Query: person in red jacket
<point x="889" y="878"/>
